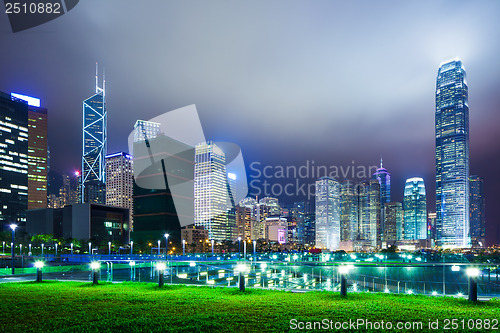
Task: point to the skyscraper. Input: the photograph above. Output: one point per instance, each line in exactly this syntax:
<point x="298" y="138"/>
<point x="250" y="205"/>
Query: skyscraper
<point x="384" y="179"/>
<point x="211" y="197"/>
<point x="393" y="230"/>
<point x="13" y="160"/>
<point x="349" y="218"/>
<point x="452" y="156"/>
<point x="94" y="146"/>
<point x="415" y="209"/>
<point x="369" y="212"/>
<point x="37" y="152"/>
<point x="477" y="211"/>
<point x="327" y="213"/>
<point x="120" y="182"/>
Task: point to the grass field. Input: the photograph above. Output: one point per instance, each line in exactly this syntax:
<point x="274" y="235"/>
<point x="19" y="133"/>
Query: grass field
<point x="139" y="307"/>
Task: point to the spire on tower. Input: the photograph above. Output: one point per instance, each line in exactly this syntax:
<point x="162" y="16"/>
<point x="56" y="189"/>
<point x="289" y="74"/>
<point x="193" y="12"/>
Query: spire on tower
<point x="96" y="84"/>
<point x="381" y="162"/>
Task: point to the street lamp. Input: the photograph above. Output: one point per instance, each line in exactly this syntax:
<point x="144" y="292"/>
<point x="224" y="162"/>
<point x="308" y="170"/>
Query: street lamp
<point x="472" y="274"/>
<point x="29" y="251"/>
<point x="20" y="249"/>
<point x="71" y="248"/>
<point x="212" y="247"/>
<point x="159" y="242"/>
<point x="183" y="247"/>
<point x="161" y="270"/>
<point x="56" y="249"/>
<point x="109" y="248"/>
<point x="95" y="266"/>
<point x="90" y="248"/>
<point x="241" y="268"/>
<point x="39" y="265"/>
<point x="13" y="227"/>
<point x="239" y="246"/>
<point x="131" y="247"/>
<point x="166" y="244"/>
<point x="343" y="270"/>
<point x="42" y="249"/>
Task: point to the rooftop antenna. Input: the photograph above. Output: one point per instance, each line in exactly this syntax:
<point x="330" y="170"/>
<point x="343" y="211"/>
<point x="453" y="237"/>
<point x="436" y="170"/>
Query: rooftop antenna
<point x="381" y="162"/>
<point x="104" y="81"/>
<point x="96" y="84"/>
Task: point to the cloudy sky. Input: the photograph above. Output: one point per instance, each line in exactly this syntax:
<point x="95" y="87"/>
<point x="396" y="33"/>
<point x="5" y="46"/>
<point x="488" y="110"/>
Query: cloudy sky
<point x="288" y="81"/>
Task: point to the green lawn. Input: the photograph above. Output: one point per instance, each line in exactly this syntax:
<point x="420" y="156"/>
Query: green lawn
<point x="139" y="307"/>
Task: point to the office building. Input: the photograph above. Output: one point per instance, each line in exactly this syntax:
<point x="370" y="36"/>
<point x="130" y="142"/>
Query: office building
<point x="84" y="221"/>
<point x="327" y="213"/>
<point x="393" y="230"/>
<point x="415" y="209"/>
<point x="384" y="179"/>
<point x="120" y="182"/>
<point x="349" y="218"/>
<point x="211" y="195"/>
<point x="452" y="156"/>
<point x="13" y="160"/>
<point x="369" y="213"/>
<point x="477" y="211"/>
<point x="94" y="146"/>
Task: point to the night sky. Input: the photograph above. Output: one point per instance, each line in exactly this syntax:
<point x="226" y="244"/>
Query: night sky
<point x="288" y="81"/>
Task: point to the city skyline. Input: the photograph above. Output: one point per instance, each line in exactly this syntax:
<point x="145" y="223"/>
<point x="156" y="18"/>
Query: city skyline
<point x="228" y="114"/>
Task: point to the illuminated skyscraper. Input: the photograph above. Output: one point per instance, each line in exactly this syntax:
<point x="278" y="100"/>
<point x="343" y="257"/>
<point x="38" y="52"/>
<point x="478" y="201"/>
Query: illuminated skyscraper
<point x="211" y="195"/>
<point x="393" y="230"/>
<point x="327" y="213"/>
<point x="452" y="156"/>
<point x="477" y="211"/>
<point x="384" y="179"/>
<point x="94" y="146"/>
<point x="120" y="182"/>
<point x="349" y="218"/>
<point x="369" y="212"/>
<point x="415" y="209"/>
<point x="37" y="152"/>
<point x="13" y="160"/>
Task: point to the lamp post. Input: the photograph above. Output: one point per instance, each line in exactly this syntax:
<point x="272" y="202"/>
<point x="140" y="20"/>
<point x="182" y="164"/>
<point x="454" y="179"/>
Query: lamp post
<point x="166" y="245"/>
<point x="95" y="266"/>
<point x="343" y="270"/>
<point x="239" y="247"/>
<point x="13" y="227"/>
<point x="109" y="248"/>
<point x="29" y="251"/>
<point x="131" y="247"/>
<point x="39" y="265"/>
<point x="241" y="268"/>
<point x="244" y="250"/>
<point x="42" y="249"/>
<point x="472" y="274"/>
<point x="20" y="249"/>
<point x="212" y="247"/>
<point x="71" y="248"/>
<point x="254" y="248"/>
<point x="183" y="247"/>
<point x="161" y="270"/>
<point x="56" y="249"/>
<point x="159" y="242"/>
<point x="90" y="248"/>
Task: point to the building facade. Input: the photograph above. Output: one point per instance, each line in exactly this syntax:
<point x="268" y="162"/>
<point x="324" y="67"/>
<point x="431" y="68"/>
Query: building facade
<point x="13" y="160"/>
<point x="393" y="225"/>
<point x="349" y="218"/>
<point x="415" y="209"/>
<point x="328" y="212"/>
<point x="211" y="195"/>
<point x="94" y="147"/>
<point x="477" y="211"/>
<point x="120" y="182"/>
<point x="452" y="156"/>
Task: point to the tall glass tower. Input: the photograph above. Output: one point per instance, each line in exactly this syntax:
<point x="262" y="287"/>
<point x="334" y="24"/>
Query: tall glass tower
<point x="477" y="211"/>
<point x="452" y="156"/>
<point x="94" y="146"/>
<point x="327" y="213"/>
<point x="211" y="197"/>
<point x="415" y="209"/>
